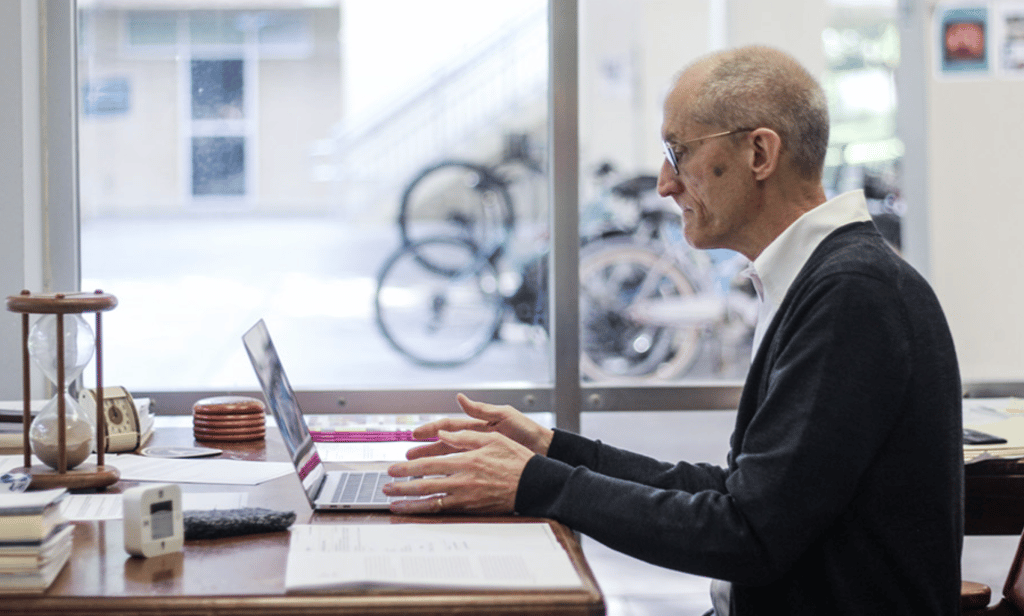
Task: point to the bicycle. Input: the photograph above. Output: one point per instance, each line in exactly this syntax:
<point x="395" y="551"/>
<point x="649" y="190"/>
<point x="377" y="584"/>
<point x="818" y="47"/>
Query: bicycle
<point x="442" y="296"/>
<point x="650" y="305"/>
<point x="464" y="199"/>
<point x="441" y="301"/>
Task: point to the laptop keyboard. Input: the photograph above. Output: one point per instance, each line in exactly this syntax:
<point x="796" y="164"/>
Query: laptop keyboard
<point x="363" y="487"/>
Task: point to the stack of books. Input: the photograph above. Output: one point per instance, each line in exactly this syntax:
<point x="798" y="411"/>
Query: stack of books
<point x="35" y="540"/>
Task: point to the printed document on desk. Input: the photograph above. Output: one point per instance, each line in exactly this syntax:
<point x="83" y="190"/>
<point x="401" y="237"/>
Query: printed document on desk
<point x="195" y="470"/>
<point x="323" y="557"/>
<point x="91" y="507"/>
<point x="1011" y="429"/>
<point x="999" y="417"/>
<point x="140" y="468"/>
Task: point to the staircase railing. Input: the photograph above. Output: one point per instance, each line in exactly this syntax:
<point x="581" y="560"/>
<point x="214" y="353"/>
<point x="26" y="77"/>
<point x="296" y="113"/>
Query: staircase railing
<point x="463" y="111"/>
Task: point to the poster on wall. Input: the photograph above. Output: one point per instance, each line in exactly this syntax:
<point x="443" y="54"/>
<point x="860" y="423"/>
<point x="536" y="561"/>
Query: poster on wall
<point x="1009" y="38"/>
<point x="962" y="33"/>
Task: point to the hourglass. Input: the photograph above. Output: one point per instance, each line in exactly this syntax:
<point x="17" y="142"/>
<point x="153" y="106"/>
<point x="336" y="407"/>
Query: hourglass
<point x="61" y="343"/>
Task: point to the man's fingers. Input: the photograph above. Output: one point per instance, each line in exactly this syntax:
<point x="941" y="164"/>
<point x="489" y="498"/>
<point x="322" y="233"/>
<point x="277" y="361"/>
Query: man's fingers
<point x="482" y="475"/>
<point x="481" y="417"/>
<point x="482" y="411"/>
<point x="426" y="486"/>
<point x="426" y="451"/>
<point x="451" y="424"/>
<point x="433" y="504"/>
<point x="434" y="465"/>
<point x="466" y="439"/>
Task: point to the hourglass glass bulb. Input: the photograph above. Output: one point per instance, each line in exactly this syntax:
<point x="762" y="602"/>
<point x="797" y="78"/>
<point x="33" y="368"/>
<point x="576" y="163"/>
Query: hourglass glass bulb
<point x="79" y="433"/>
<point x="78" y="345"/>
<point x="44" y="433"/>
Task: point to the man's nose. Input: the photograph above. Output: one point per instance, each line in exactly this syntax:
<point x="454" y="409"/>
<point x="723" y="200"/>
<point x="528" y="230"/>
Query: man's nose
<point x="668" y="180"/>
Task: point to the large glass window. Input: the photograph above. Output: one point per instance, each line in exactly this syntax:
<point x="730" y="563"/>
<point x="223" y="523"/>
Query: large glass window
<point x="862" y="52"/>
<point x="378" y="190"/>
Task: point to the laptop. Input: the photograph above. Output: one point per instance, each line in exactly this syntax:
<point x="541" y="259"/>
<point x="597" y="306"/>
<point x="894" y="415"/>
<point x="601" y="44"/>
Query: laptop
<point x="334" y="489"/>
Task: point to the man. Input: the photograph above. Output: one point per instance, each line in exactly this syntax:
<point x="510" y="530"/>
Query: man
<point x="843" y="488"/>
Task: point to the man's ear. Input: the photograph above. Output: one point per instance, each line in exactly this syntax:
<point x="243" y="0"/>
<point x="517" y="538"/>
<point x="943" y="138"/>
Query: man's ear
<point x="766" y="148"/>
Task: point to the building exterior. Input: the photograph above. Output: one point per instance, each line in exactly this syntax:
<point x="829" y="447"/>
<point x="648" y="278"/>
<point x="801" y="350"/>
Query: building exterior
<point x="214" y="96"/>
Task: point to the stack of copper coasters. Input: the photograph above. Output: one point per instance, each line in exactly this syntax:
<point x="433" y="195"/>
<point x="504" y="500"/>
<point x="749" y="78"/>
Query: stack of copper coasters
<point x="229" y="419"/>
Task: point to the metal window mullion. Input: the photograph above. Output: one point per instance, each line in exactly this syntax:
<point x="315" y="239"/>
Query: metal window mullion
<point x="61" y="258"/>
<point x="563" y="79"/>
<point x="697" y="396"/>
<point x="912" y="129"/>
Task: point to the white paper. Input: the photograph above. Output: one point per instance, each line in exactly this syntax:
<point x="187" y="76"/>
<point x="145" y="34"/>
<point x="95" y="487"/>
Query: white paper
<point x="232" y="472"/>
<point x="511" y="556"/>
<point x="91" y="507"/>
<point x="140" y="468"/>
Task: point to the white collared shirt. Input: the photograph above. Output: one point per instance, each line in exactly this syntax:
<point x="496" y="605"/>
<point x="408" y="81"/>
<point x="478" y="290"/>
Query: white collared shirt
<point x="779" y="263"/>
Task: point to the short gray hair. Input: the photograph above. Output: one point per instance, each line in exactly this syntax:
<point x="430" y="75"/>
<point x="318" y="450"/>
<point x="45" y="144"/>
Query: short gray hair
<point x="753" y="87"/>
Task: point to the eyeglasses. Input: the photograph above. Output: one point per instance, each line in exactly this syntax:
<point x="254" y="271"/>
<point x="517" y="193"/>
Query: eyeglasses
<point x="670" y="153"/>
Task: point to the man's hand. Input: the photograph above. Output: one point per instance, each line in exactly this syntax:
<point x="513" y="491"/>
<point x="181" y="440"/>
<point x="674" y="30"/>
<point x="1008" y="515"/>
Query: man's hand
<point x="483" y="417"/>
<point x="481" y="476"/>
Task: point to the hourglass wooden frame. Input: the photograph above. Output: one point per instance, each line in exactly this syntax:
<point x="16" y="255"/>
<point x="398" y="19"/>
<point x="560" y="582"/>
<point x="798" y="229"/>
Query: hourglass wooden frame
<point x="60" y="304"/>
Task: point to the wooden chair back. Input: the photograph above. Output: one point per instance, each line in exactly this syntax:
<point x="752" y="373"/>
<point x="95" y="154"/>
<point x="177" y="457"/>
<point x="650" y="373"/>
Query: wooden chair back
<point x="1013" y="590"/>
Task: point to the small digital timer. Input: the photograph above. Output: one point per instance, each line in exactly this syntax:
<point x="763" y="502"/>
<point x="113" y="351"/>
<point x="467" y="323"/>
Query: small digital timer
<point x="153" y="522"/>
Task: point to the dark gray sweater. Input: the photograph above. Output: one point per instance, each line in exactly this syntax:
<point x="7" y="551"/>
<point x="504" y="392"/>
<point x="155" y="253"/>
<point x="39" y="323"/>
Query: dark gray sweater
<point x="844" y="485"/>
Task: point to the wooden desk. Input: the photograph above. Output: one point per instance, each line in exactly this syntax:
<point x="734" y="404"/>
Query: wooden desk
<point x="245" y="575"/>
<point x="994" y="498"/>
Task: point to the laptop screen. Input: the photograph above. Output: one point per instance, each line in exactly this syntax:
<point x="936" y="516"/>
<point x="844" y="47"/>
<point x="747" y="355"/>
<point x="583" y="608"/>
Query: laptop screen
<point x="281" y="399"/>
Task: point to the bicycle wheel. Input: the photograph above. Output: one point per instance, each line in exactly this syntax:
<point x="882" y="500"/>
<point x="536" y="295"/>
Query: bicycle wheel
<point x="616" y="275"/>
<point x="458" y="199"/>
<point x="443" y="314"/>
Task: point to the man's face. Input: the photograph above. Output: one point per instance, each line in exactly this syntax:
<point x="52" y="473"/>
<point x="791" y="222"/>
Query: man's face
<point x="709" y="187"/>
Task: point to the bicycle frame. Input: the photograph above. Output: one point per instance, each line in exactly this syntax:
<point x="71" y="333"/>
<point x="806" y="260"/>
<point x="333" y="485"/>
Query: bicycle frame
<point x="667" y="287"/>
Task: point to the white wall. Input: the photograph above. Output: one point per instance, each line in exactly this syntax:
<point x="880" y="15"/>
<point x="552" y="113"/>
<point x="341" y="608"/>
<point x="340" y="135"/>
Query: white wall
<point x="38" y="237"/>
<point x="975" y="133"/>
<point x="794" y="26"/>
<point x="19" y="176"/>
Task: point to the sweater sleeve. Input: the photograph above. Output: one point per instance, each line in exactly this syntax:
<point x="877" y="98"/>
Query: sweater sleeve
<point x="576" y="450"/>
<point x="828" y="401"/>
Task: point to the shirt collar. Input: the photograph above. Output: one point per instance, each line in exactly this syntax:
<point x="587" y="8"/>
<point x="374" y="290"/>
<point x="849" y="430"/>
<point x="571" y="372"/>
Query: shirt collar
<point x="781" y="261"/>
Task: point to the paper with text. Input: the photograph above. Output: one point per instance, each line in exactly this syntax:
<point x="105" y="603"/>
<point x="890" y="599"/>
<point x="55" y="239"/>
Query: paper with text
<point x="92" y="507"/>
<point x="491" y="556"/>
<point x="172" y="470"/>
<point x="199" y="470"/>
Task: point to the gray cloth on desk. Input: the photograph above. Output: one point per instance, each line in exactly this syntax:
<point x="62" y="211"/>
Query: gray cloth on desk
<point x="233" y="522"/>
<point x="843" y="489"/>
